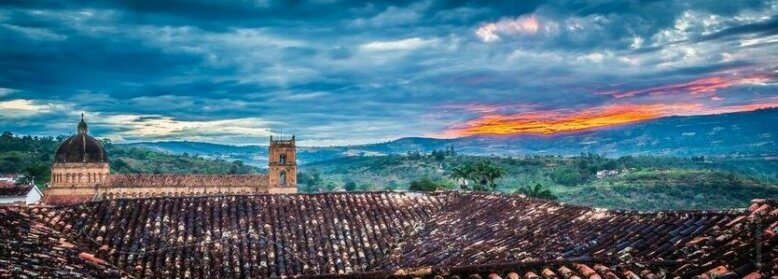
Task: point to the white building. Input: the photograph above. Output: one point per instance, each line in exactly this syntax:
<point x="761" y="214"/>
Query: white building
<point x="9" y="178"/>
<point x="23" y="194"/>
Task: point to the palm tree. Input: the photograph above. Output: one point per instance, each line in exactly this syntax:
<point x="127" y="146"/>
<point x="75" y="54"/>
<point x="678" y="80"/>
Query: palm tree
<point x="483" y="174"/>
<point x="461" y="174"/>
<point x="538" y="191"/>
<point x="477" y="172"/>
<point x="492" y="173"/>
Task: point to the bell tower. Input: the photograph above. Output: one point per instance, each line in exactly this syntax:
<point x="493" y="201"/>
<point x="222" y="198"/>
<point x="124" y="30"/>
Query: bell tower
<point x="282" y="166"/>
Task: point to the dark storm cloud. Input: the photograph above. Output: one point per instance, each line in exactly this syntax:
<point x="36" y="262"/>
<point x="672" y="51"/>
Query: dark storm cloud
<point x="342" y="72"/>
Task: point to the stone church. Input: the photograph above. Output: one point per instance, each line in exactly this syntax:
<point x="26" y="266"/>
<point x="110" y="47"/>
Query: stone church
<point x="81" y="172"/>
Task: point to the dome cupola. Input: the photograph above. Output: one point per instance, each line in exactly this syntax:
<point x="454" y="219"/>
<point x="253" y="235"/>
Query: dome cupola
<point x="81" y="148"/>
<point x="82" y="127"/>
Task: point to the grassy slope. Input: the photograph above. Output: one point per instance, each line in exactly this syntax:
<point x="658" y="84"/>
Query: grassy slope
<point x="139" y="160"/>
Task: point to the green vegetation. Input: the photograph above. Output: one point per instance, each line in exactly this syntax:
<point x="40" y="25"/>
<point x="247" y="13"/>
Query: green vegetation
<point x="32" y="157"/>
<point x="537" y="191"/>
<point x="483" y="174"/>
<point x="426" y="185"/>
<point x="139" y="160"/>
<point x="635" y="182"/>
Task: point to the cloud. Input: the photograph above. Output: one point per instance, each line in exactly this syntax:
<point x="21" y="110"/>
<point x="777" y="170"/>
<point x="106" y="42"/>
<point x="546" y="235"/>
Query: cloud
<point x="404" y="44"/>
<point x="707" y="85"/>
<point x="556" y="121"/>
<point x="335" y="72"/>
<point x="545" y="122"/>
<point x="522" y="25"/>
<point x="35" y="33"/>
<point x="6" y="91"/>
<point x="156" y="127"/>
<point x="594" y="57"/>
<point x="23" y="108"/>
<point x="394" y="16"/>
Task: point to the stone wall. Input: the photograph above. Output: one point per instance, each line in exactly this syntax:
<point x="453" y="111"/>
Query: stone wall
<point x="142" y="185"/>
<point x="78" y="174"/>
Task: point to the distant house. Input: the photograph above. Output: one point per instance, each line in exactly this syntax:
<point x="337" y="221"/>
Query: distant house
<point x="606" y="173"/>
<point x="21" y="194"/>
<point x="9" y="178"/>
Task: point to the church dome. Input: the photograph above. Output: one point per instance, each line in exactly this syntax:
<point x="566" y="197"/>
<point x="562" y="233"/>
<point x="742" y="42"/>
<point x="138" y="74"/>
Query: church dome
<point x="81" y="148"/>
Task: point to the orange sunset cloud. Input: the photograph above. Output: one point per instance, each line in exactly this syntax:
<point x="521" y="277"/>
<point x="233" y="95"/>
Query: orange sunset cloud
<point x="558" y="121"/>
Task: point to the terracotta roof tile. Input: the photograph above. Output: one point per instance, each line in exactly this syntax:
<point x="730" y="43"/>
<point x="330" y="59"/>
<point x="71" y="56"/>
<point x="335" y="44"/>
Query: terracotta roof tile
<point x="407" y="235"/>
<point x="31" y="249"/>
<point x="15" y="191"/>
<point x="67" y="199"/>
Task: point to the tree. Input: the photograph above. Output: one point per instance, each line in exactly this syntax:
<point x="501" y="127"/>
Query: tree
<point x="37" y="174"/>
<point x="330" y="186"/>
<point x="537" y="191"/>
<point x="425" y="185"/>
<point x="311" y="182"/>
<point x="392" y="185"/>
<point x="461" y="174"/>
<point x="484" y="174"/>
<point x="314" y="184"/>
<point x="237" y="167"/>
<point x="492" y="173"/>
<point x="439" y="155"/>
<point x="566" y="176"/>
<point x="350" y="186"/>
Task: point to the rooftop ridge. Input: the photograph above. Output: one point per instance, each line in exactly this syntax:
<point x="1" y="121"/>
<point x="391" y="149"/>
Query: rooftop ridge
<point x="610" y="210"/>
<point x="728" y="211"/>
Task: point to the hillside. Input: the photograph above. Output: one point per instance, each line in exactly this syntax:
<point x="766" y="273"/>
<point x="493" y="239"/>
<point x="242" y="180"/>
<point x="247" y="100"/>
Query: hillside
<point x="720" y="134"/>
<point x="251" y="154"/>
<point x="731" y="134"/>
<point x="639" y="182"/>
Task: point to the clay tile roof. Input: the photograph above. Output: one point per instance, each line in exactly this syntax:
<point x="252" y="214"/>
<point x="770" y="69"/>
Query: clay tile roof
<point x="16" y="191"/>
<point x="31" y="249"/>
<point x="66" y="199"/>
<point x="407" y="235"/>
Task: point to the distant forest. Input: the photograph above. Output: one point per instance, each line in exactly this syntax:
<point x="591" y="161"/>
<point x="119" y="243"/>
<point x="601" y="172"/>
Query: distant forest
<point x="635" y="182"/>
<point x="32" y="156"/>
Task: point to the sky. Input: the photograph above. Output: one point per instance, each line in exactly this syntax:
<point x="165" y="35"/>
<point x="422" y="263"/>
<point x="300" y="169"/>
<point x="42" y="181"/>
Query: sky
<point x="351" y="72"/>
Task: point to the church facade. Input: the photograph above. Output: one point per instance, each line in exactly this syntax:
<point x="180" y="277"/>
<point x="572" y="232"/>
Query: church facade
<point x="81" y="172"/>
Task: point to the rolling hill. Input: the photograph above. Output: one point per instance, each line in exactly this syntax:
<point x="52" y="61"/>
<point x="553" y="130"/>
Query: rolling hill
<point x="730" y="134"/>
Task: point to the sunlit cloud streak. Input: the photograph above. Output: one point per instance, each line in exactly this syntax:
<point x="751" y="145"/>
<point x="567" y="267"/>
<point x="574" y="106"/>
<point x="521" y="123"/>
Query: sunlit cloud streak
<point x="708" y="85"/>
<point x="547" y="122"/>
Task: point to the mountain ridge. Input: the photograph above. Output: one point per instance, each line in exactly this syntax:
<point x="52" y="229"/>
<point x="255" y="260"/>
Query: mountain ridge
<point x="726" y="134"/>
